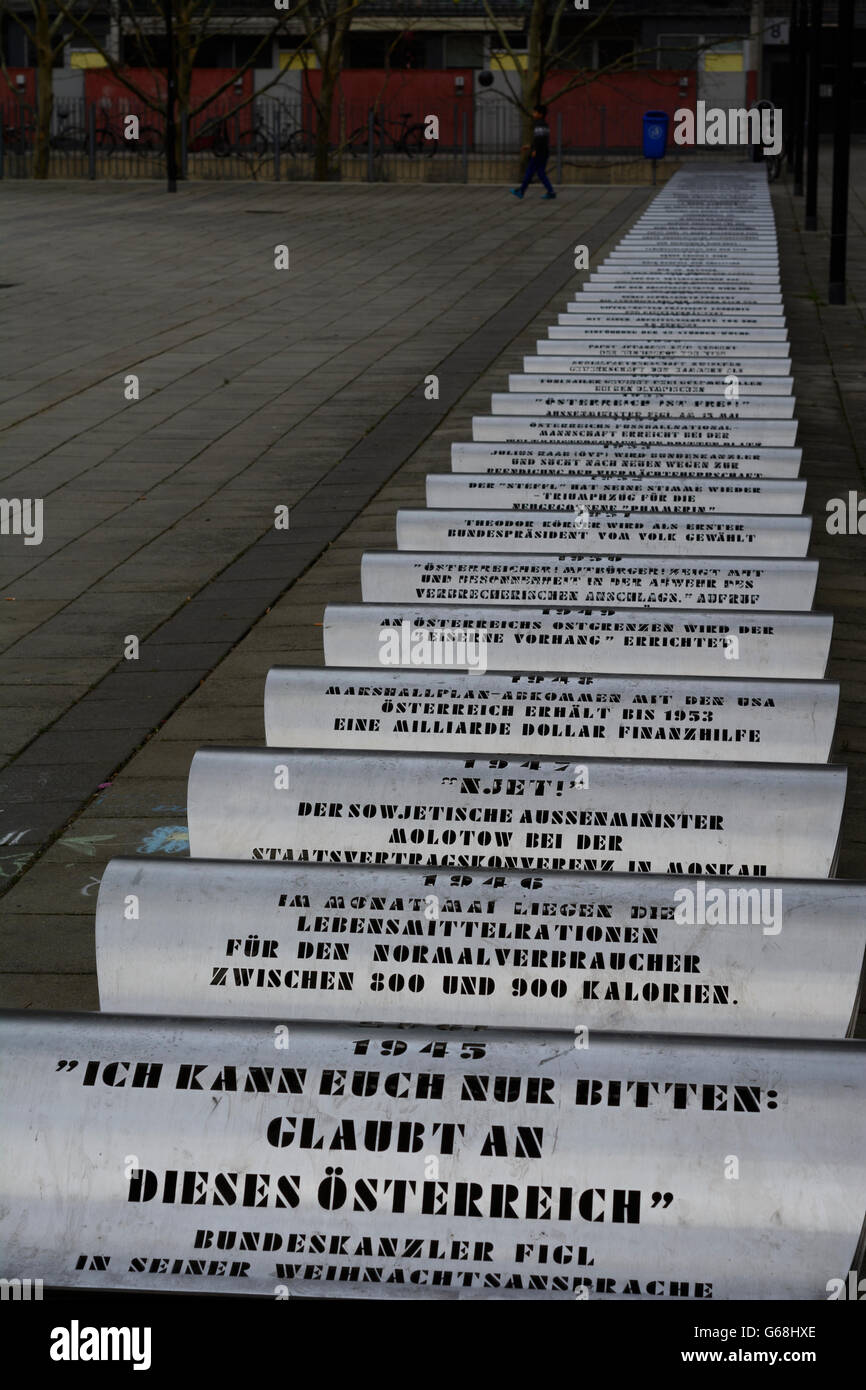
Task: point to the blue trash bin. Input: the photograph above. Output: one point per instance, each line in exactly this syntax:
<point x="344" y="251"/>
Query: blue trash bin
<point x="655" y="134"/>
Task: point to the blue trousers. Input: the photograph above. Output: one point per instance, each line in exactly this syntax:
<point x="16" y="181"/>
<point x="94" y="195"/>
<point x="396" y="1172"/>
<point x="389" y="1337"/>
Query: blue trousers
<point x="536" y="166"/>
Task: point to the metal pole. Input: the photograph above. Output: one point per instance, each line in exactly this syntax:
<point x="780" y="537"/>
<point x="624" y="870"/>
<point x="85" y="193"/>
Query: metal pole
<point x="758" y="51"/>
<point x="793" y="92"/>
<point x="91" y="142"/>
<point x="465" y="146"/>
<point x="171" y="95"/>
<point x="370" y="145"/>
<point x="815" y="17"/>
<point x="19" y="145"/>
<point x="841" y="151"/>
<point x="800" y="78"/>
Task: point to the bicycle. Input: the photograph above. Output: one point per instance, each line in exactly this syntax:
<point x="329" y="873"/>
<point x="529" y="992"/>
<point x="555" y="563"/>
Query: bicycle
<point x="409" y="140"/>
<point x="262" y="138"/>
<point x="215" y="135"/>
<point x="75" y="138"/>
<point x="255" y="141"/>
<point x="104" y="135"/>
<point x="67" y="138"/>
<point x="151" y="140"/>
<point x="296" y="142"/>
<point x="19" y="139"/>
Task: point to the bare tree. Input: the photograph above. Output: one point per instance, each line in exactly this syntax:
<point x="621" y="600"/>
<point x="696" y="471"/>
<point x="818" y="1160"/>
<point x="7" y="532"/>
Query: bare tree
<point x="45" y="29"/>
<point x="327" y="24"/>
<point x="317" y="25"/>
<point x="550" y="53"/>
<point x="192" y="22"/>
<point x="546" y="52"/>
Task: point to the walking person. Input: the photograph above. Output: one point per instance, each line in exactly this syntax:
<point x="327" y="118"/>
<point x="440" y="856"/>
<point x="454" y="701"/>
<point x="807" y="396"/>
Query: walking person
<point x="539" y="153"/>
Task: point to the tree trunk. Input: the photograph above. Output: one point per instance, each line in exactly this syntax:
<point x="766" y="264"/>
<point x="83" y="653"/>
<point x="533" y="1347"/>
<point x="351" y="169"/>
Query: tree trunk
<point x="532" y="77"/>
<point x="44" y="91"/>
<point x="332" y="66"/>
<point x="324" y="110"/>
<point x="185" y="49"/>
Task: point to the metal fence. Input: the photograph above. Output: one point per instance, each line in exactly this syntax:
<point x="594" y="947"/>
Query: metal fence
<point x="478" y="141"/>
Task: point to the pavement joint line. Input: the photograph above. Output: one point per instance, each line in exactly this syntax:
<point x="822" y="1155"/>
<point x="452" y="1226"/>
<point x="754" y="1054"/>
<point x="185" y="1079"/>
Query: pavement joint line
<point x="513" y="317"/>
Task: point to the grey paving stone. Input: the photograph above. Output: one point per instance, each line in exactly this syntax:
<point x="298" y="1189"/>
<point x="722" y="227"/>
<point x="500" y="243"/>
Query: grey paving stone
<point x="105" y="748"/>
<point x="49" y="991"/>
<point x="49" y="697"/>
<point x="63" y="944"/>
<point x="135" y="797"/>
<point x="47" y="782"/>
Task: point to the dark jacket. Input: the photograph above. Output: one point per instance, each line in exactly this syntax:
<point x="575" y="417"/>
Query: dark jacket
<point x="541" y="140"/>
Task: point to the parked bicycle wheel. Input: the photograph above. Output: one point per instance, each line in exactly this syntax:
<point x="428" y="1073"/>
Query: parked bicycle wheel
<point x="15" y="139"/>
<point x="150" y="140"/>
<point x="296" y="142"/>
<point x="416" y="145"/>
<point x="253" y="142"/>
<point x="214" y="137"/>
<point x="358" y="142"/>
<point x="105" y="139"/>
<point x="72" y="140"/>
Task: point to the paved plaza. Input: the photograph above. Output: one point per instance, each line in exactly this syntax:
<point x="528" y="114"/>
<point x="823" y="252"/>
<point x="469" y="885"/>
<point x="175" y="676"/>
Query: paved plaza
<point x="261" y="388"/>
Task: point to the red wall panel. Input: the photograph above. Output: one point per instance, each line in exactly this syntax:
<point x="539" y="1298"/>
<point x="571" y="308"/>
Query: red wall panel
<point x="608" y="112"/>
<point x="25" y="94"/>
<point x="101" y="85"/>
<point x="419" y="93"/>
